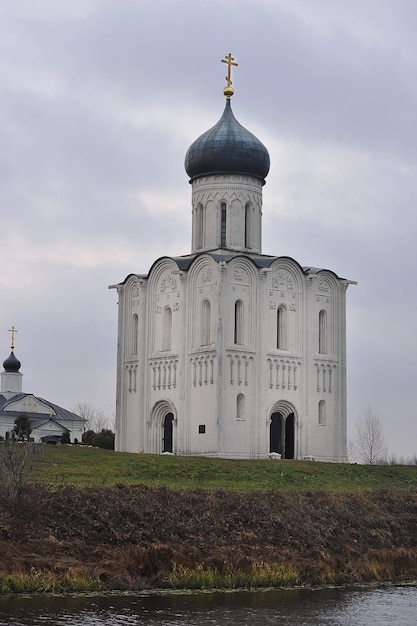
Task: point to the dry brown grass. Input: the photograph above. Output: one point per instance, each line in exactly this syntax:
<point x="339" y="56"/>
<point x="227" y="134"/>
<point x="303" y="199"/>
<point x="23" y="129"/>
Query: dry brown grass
<point x="138" y="537"/>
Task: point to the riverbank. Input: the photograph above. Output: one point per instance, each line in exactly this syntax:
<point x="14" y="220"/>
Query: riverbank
<point x="136" y="537"/>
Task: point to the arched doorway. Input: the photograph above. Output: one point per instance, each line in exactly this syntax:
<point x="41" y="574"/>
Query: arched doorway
<point x="167" y="440"/>
<point x="282" y="430"/>
<point x="162" y="432"/>
<point x="276" y="439"/>
<point x="289" y="436"/>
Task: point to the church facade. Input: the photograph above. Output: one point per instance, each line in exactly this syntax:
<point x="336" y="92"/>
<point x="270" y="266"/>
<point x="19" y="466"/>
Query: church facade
<point x="226" y="351"/>
<point x="48" y="421"/>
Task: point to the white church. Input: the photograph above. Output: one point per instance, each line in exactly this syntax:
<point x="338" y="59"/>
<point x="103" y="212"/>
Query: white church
<point x="48" y="421"/>
<point x="228" y="352"/>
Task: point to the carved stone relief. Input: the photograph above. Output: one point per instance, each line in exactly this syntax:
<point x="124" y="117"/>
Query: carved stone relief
<point x="168" y="283"/>
<point x="239" y="274"/>
<point x="282" y="281"/>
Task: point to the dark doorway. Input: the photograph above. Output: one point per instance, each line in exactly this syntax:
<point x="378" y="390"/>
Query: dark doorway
<point x="275" y="434"/>
<point x="167" y="440"/>
<point x="289" y="436"/>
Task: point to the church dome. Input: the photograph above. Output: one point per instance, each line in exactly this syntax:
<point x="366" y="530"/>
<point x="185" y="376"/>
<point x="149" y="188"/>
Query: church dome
<point x="227" y="148"/>
<point x="11" y="364"/>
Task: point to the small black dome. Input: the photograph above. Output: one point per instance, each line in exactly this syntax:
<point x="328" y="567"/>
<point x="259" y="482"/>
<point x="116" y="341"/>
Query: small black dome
<point x="11" y="364"/>
<point x="227" y="148"/>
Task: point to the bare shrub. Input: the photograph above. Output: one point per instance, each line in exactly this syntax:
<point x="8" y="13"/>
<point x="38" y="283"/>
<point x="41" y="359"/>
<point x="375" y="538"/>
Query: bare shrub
<point x="97" y="420"/>
<point x="369" y="444"/>
<point x="17" y="461"/>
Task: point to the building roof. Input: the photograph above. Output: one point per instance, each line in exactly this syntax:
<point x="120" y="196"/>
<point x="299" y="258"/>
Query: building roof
<point x="260" y="260"/>
<point x="56" y="412"/>
<point x="227" y="148"/>
<point x="11" y="364"/>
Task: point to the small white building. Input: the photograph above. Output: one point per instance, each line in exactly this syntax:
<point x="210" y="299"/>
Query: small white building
<point x="226" y="351"/>
<point x="48" y="421"/>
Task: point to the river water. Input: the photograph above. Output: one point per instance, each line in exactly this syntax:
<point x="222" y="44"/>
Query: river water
<point x="325" y="607"/>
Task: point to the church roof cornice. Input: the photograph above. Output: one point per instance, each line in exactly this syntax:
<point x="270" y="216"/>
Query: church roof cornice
<point x="261" y="261"/>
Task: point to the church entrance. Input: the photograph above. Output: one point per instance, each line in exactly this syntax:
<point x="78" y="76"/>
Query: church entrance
<point x="281" y="434"/>
<point x="167" y="433"/>
<point x="275" y="433"/>
<point x="163" y="428"/>
<point x="289" y="436"/>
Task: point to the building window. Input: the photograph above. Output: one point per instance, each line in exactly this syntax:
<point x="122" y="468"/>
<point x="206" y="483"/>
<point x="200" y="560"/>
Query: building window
<point x="247" y="225"/>
<point x="282" y="328"/>
<point x="223" y="221"/>
<point x="205" y="323"/>
<point x="322" y="412"/>
<point x="135" y="325"/>
<point x="240" y="407"/>
<point x="322" y="332"/>
<point x="167" y="329"/>
<point x="201" y="429"/>
<point x="238" y="331"/>
<point x="200" y="225"/>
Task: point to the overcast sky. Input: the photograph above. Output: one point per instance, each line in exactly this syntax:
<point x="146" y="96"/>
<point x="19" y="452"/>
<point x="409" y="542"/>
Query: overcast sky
<point x="99" y="101"/>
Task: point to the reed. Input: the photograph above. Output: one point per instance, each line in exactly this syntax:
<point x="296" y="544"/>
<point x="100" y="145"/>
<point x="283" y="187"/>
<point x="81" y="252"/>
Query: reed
<point x="260" y="575"/>
<point x="46" y="582"/>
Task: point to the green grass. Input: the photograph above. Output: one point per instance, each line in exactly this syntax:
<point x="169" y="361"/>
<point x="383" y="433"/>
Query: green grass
<point x="41" y="582"/>
<point x="84" y="466"/>
<point x="260" y="575"/>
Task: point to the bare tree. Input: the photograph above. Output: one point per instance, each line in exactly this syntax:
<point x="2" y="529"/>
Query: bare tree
<point x="17" y="460"/>
<point x="97" y="420"/>
<point x="369" y="444"/>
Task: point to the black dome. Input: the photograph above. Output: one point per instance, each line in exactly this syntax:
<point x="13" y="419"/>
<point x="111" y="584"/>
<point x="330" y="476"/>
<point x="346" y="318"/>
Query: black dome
<point x="227" y="148"/>
<point x="11" y="364"/>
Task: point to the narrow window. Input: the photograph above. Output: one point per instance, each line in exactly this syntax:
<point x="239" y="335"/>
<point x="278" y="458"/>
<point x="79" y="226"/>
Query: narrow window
<point x="282" y="328"/>
<point x="200" y="226"/>
<point x="322" y="332"/>
<point x="322" y="412"/>
<point x="247" y="225"/>
<point x="205" y="323"/>
<point x="135" y="324"/>
<point x="167" y="329"/>
<point x="238" y="332"/>
<point x="223" y="224"/>
<point x="240" y="407"/>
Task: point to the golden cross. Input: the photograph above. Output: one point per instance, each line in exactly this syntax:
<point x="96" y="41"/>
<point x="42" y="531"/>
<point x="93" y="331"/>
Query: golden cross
<point x="230" y="61"/>
<point x="13" y="331"/>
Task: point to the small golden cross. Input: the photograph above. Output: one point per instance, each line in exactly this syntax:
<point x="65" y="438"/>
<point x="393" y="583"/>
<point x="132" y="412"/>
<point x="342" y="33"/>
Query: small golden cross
<point x="230" y="61"/>
<point x="13" y="331"/>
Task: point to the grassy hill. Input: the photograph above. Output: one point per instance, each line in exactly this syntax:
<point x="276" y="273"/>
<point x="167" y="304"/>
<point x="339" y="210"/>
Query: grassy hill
<point x="83" y="466"/>
<point x="94" y="519"/>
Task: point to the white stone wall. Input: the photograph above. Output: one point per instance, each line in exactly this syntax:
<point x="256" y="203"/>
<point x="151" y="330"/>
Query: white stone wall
<point x="240" y="194"/>
<point x="208" y="382"/>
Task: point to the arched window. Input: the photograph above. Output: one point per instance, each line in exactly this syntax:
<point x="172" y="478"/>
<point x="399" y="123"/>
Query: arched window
<point x="167" y="329"/>
<point x="247" y="225"/>
<point x="322" y="332"/>
<point x="282" y="328"/>
<point x="322" y="412"/>
<point x="205" y="323"/>
<point x="135" y="325"/>
<point x="200" y="225"/>
<point x="223" y="221"/>
<point x="238" y="331"/>
<point x="240" y="407"/>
